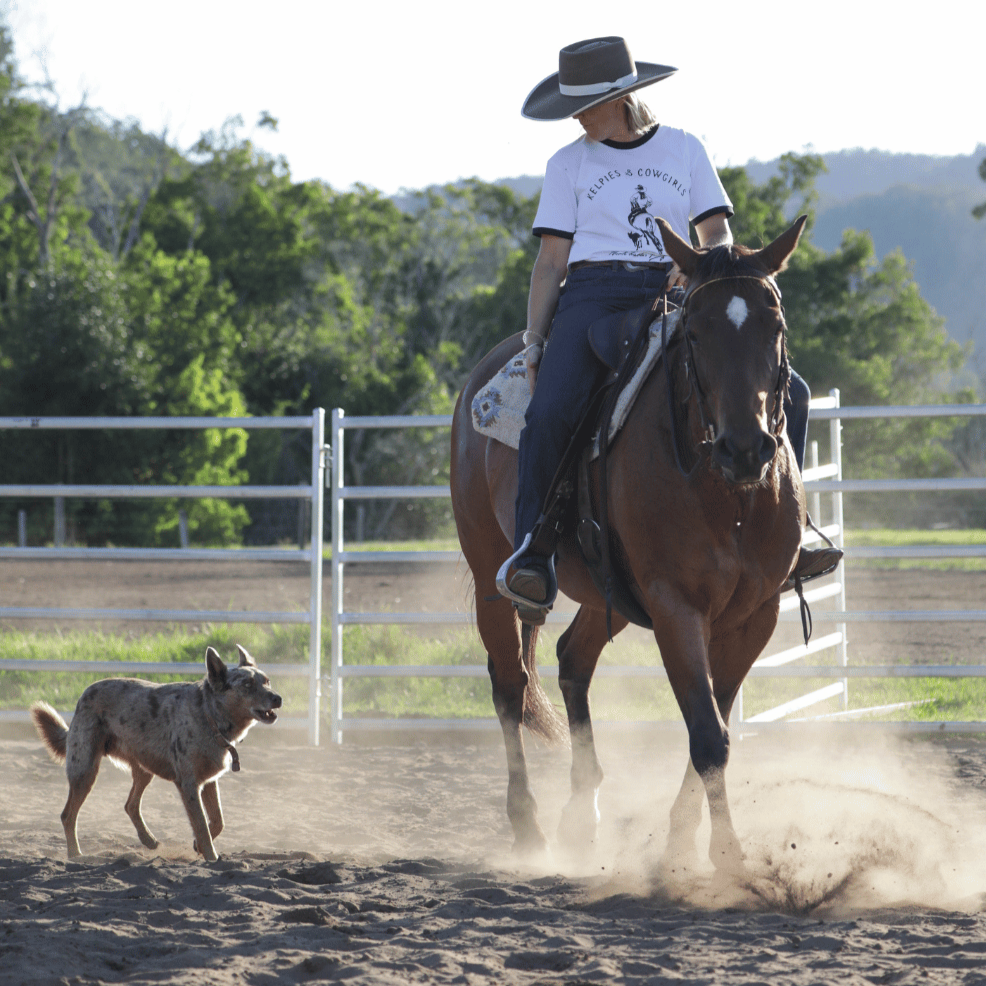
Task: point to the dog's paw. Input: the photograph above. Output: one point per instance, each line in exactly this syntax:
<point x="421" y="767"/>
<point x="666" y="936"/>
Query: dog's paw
<point x="209" y="854"/>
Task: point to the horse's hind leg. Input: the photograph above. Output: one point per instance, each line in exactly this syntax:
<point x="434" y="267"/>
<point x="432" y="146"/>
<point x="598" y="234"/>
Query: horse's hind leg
<point x="508" y="700"/>
<point x="578" y="652"/>
<point x="500" y="632"/>
<point x="485" y="546"/>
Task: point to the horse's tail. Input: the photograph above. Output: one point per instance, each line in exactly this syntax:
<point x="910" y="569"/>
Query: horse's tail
<point x="52" y="728"/>
<point x="540" y="715"/>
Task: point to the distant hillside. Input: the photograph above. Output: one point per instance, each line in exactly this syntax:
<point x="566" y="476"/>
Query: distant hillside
<point x="934" y="229"/>
<point x="857" y="172"/>
<point x="920" y="205"/>
<point x="917" y="203"/>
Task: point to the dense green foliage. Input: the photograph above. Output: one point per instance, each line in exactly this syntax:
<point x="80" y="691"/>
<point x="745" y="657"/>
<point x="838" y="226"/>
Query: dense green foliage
<point x="137" y="280"/>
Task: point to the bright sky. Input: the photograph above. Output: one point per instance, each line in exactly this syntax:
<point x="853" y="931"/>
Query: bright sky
<point x="409" y="94"/>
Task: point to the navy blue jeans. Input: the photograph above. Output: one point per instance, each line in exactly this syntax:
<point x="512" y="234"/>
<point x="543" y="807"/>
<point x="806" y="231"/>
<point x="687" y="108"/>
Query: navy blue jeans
<point x="570" y="371"/>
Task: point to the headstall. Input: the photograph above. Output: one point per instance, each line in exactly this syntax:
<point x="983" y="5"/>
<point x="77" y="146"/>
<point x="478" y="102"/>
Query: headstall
<point x="691" y="373"/>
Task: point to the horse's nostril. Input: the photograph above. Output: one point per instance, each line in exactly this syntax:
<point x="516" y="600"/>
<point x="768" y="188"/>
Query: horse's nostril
<point x="743" y="458"/>
<point x="768" y="449"/>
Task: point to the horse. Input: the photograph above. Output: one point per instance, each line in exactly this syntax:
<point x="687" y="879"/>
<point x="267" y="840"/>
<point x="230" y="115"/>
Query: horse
<point x="706" y="509"/>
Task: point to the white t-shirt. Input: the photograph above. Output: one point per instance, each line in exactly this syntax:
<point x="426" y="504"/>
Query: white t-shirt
<point x="604" y="195"/>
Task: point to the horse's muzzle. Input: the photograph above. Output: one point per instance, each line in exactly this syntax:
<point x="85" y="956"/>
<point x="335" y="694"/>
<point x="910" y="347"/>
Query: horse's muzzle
<point x="744" y="458"/>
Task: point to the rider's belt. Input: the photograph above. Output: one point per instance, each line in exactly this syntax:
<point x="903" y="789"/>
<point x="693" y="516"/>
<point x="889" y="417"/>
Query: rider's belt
<point x="617" y="265"/>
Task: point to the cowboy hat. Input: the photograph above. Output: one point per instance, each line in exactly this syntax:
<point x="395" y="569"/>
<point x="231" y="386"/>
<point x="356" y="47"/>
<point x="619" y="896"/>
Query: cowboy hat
<point x="590" y="72"/>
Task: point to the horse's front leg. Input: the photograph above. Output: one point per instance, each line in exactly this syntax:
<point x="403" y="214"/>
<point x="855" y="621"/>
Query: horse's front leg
<point x="731" y="656"/>
<point x="578" y="652"/>
<point x="684" y="641"/>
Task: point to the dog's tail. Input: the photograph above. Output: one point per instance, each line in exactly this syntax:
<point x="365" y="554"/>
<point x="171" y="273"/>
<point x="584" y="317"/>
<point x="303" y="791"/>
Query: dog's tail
<point x="52" y="728"/>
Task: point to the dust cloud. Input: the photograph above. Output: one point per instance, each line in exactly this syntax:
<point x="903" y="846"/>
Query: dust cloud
<point x="831" y="823"/>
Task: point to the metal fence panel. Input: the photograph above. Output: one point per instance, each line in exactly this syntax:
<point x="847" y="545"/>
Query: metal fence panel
<point x="314" y="493"/>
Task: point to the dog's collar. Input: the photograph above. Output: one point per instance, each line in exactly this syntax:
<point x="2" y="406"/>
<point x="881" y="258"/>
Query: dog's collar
<point x="225" y="742"/>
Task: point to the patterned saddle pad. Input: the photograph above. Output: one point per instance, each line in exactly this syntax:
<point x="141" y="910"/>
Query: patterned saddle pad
<point x="498" y="409"/>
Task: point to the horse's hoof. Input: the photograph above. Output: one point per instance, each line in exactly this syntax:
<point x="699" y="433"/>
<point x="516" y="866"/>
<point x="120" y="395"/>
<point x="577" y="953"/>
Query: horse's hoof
<point x="728" y="859"/>
<point x="678" y="864"/>
<point x="530" y="841"/>
<point x="579" y="822"/>
<point x="530" y="848"/>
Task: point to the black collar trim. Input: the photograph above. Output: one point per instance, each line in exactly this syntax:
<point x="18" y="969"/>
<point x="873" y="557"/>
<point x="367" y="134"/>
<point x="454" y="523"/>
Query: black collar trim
<point x="629" y="145"/>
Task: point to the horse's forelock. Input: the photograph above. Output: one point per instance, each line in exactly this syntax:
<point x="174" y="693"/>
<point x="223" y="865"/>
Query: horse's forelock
<point x="733" y="260"/>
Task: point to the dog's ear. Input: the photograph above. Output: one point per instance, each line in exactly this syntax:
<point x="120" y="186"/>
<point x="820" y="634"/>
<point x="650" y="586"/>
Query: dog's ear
<point x="215" y="666"/>
<point x="245" y="659"/>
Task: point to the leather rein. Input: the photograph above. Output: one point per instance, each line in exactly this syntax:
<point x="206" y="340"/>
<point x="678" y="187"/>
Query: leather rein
<point x="691" y="373"/>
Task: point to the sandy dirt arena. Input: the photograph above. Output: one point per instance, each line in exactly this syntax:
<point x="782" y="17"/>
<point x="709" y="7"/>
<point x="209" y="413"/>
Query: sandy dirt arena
<point x="391" y="862"/>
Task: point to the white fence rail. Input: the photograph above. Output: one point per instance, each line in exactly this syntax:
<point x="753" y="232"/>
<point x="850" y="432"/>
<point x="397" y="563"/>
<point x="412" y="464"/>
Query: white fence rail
<point x="819" y="479"/>
<point x="313" y="493"/>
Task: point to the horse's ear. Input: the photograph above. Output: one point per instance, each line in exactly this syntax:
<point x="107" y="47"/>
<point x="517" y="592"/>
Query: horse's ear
<point x="682" y="253"/>
<point x="775" y="255"/>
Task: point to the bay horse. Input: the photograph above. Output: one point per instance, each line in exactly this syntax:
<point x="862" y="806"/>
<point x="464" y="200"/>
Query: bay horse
<point x="709" y="534"/>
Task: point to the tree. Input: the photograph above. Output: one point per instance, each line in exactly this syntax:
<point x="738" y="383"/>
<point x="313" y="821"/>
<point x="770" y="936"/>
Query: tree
<point x="119" y="168"/>
<point x="762" y="211"/>
<point x="860" y="325"/>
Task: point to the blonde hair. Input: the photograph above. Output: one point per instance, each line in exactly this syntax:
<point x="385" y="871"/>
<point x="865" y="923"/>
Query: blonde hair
<point x="639" y="116"/>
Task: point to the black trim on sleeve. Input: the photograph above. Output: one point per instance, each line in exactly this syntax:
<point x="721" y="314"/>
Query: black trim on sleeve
<point x="539" y="231"/>
<point x="717" y="211"/>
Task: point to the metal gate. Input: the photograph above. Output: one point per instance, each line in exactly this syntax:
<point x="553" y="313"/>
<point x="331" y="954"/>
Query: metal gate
<point x="314" y="493"/>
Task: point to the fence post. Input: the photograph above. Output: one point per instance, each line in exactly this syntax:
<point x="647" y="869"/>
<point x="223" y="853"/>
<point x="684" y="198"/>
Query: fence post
<point x="183" y="528"/>
<point x="337" y="505"/>
<point x="835" y="439"/>
<point x="315" y="602"/>
<point x="22" y="528"/>
<point x="816" y="498"/>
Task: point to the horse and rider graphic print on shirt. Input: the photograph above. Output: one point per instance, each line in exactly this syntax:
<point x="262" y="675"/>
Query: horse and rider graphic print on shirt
<point x="642" y="222"/>
<point x="604" y="195"/>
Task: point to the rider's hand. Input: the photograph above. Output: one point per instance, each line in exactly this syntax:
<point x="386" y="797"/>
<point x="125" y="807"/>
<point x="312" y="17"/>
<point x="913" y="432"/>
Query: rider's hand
<point x="532" y="358"/>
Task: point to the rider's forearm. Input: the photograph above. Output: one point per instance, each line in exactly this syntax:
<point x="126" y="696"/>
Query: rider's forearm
<point x="541" y="304"/>
<point x="543" y="299"/>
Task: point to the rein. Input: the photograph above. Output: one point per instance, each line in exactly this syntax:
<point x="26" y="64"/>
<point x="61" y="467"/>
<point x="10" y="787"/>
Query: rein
<point x="691" y="372"/>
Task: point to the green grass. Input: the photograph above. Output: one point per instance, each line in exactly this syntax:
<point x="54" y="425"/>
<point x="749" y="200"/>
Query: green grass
<point x="961" y="699"/>
<point x="941" y="699"/>
<point x="18" y="689"/>
<point x="889" y="538"/>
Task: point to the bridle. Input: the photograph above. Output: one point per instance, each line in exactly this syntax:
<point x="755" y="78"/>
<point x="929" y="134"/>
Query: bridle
<point x="691" y="372"/>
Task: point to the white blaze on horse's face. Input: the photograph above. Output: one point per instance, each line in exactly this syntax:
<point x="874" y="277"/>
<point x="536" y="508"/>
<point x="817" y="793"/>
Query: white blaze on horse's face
<point x="737" y="312"/>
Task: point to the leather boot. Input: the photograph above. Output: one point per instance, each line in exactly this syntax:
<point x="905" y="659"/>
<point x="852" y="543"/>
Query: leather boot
<point x="813" y="563"/>
<point x="530" y="580"/>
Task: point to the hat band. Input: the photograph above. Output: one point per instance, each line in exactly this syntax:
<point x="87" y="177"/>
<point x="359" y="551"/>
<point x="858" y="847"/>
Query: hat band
<point x="594" y="88"/>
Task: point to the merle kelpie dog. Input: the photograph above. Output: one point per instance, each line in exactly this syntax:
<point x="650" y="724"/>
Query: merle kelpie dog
<point x="182" y="732"/>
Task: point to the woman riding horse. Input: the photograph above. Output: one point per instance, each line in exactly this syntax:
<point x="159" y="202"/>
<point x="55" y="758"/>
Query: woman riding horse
<point x="601" y="253"/>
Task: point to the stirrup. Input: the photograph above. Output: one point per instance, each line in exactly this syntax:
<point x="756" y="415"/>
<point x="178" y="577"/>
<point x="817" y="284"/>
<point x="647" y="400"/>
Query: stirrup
<point x="794" y="577"/>
<point x="522" y="603"/>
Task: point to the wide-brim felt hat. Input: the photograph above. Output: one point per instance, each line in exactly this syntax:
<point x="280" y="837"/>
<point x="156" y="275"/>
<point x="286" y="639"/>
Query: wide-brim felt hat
<point x="589" y="73"/>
